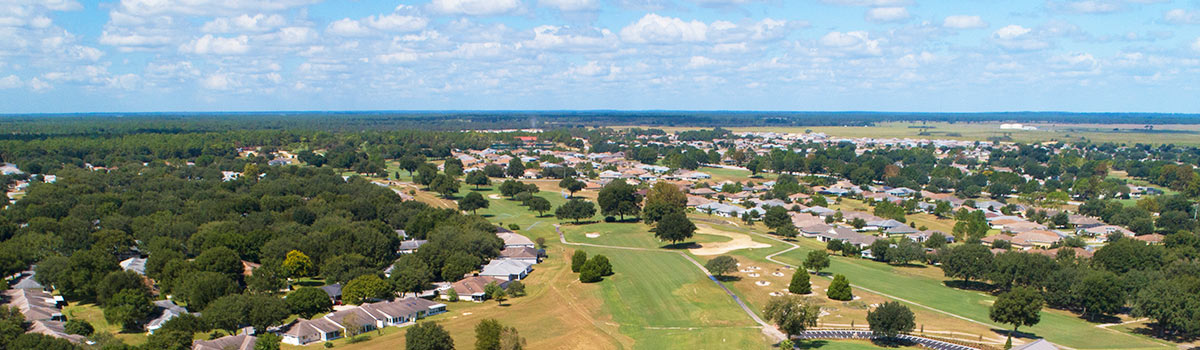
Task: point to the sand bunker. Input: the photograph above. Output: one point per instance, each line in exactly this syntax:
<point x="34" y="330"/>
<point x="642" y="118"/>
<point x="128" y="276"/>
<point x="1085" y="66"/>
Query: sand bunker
<point x="752" y="275"/>
<point x="777" y="274"/>
<point x="592" y="235"/>
<point x="776" y="294"/>
<point x="494" y="196"/>
<point x="762" y="283"/>
<point x="738" y="241"/>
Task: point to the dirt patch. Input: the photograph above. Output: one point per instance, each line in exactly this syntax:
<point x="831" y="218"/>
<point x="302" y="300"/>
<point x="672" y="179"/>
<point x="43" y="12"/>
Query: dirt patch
<point x="738" y="241"/>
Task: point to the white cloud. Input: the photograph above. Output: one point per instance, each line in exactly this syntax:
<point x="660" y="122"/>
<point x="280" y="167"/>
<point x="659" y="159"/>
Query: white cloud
<point x="856" y="42"/>
<point x="217" y="81"/>
<point x="147" y="8"/>
<point x="10" y="82"/>
<point x="1196" y="44"/>
<point x="397" y="23"/>
<point x="887" y="14"/>
<point x="701" y="62"/>
<point x="215" y="45"/>
<point x="347" y="27"/>
<point x="474" y="7"/>
<point x="137" y="40"/>
<point x="38" y="85"/>
<point x="570" y="5"/>
<point x="1015" y="37"/>
<point x="964" y="22"/>
<point x="655" y="29"/>
<point x="1012" y="31"/>
<point x="398" y="57"/>
<point x="244" y="24"/>
<point x="1181" y="16"/>
<point x="563" y="38"/>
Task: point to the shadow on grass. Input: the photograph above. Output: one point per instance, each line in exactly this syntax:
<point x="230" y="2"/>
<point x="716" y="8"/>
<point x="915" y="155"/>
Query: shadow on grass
<point x="681" y="245"/>
<point x="892" y="342"/>
<point x="1016" y="335"/>
<point x="581" y="223"/>
<point x="727" y="278"/>
<point x="810" y="344"/>
<point x="969" y="285"/>
<point x="1154" y="331"/>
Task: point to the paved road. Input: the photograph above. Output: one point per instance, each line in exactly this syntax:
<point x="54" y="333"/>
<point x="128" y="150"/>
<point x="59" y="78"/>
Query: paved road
<point x="926" y="342"/>
<point x="767" y="328"/>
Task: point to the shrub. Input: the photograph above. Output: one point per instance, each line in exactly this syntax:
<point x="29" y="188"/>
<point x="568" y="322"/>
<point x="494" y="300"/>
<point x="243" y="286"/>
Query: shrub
<point x="839" y="289"/>
<point x="328" y="344"/>
<point x="578" y="260"/>
<point x="590" y="273"/>
<point x="514" y="227"/>
<point x="610" y="219"/>
<point x="79" y="327"/>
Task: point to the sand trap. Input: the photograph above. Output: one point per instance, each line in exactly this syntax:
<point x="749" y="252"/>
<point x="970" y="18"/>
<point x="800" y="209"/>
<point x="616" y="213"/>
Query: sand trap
<point x="592" y="235"/>
<point x="762" y="283"/>
<point x="746" y="270"/>
<point x="776" y="294"/>
<point x="738" y="241"/>
<point x="752" y="275"/>
<point x="777" y="274"/>
<point x="494" y="196"/>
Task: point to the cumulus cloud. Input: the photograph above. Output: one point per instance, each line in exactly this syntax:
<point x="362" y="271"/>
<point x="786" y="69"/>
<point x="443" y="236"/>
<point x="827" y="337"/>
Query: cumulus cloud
<point x="1196" y="44"/>
<point x="146" y="8"/>
<point x="856" y="42"/>
<point x="215" y="45"/>
<point x="138" y="40"/>
<point x="570" y="5"/>
<point x="244" y="24"/>
<point x="10" y="82"/>
<point x="1016" y="37"/>
<point x="874" y="3"/>
<point x="1181" y="16"/>
<point x="964" y="22"/>
<point x="655" y="29"/>
<point x="887" y="14"/>
<point x="474" y="7"/>
<point x="549" y="37"/>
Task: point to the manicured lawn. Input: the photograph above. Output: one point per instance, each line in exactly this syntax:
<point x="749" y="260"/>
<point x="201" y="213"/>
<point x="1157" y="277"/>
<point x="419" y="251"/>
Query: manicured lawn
<point x="924" y="286"/>
<point x="663" y="301"/>
<point x="95" y="316"/>
<point x="723" y="174"/>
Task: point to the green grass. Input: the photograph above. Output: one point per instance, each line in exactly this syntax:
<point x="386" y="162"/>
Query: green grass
<point x="94" y="315"/>
<point x="921" y="285"/>
<point x="723" y="174"/>
<point x="663" y="301"/>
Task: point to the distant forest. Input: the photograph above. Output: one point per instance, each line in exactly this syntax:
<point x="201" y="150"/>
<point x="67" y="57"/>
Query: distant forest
<point x="39" y="125"/>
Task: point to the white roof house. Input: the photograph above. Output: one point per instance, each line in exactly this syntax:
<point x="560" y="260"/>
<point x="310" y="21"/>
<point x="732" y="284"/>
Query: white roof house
<point x="507" y="269"/>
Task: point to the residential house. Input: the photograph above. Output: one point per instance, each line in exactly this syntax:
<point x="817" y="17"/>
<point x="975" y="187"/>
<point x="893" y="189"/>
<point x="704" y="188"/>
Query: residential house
<point x="335" y="293"/>
<point x="472" y="288"/>
<point x="165" y="310"/>
<point x="137" y="265"/>
<point x="369" y="316"/>
<point x="721" y="209"/>
<point x="1105" y="230"/>
<point x="509" y="270"/>
<point x="522" y="254"/>
<point x="410" y="246"/>
<point x="229" y="342"/>
<point x="512" y="239"/>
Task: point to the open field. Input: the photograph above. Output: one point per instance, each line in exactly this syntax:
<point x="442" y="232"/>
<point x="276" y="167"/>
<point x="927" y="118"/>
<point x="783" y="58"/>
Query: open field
<point x="1057" y="326"/>
<point x="1188" y="135"/>
<point x="658" y="299"/>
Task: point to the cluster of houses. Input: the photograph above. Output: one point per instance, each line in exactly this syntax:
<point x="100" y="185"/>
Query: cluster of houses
<point x="42" y="310"/>
<point x="358" y="319"/>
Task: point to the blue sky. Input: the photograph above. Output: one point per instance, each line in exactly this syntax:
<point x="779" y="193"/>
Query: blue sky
<point x="809" y="55"/>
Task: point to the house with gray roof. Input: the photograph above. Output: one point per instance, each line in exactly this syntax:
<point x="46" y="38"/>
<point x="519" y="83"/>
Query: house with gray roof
<point x="137" y="265"/>
<point x="165" y="310"/>
<point x="229" y="342"/>
<point x="508" y="270"/>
